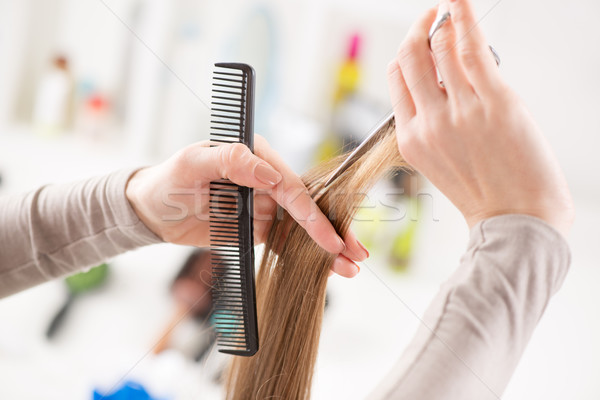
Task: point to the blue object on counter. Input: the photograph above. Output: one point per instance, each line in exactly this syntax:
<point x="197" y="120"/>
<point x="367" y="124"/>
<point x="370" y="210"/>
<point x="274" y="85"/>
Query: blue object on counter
<point x="129" y="391"/>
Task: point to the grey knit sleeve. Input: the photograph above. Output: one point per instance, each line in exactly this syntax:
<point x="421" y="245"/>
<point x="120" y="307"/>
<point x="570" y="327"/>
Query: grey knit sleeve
<point x="475" y="330"/>
<point x="60" y="229"/>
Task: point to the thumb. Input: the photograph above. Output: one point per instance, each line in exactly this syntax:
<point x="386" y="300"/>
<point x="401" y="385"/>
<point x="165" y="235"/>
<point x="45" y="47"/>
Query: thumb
<point x="238" y="164"/>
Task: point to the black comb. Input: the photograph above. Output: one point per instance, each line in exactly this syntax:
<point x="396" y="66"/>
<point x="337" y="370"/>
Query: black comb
<point x="231" y="211"/>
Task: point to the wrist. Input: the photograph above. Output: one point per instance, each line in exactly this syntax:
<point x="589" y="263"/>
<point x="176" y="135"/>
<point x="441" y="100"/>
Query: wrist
<point x="134" y="194"/>
<point x="559" y="219"/>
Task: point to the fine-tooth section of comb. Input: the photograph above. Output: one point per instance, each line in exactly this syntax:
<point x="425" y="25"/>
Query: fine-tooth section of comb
<point x="230" y="211"/>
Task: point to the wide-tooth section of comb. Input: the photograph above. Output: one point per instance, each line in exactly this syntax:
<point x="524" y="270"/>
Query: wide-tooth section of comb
<point x="230" y="210"/>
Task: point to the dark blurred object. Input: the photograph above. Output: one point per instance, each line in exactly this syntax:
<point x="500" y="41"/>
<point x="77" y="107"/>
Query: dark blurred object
<point x="77" y="285"/>
<point x="406" y="181"/>
<point x="193" y="283"/>
<point x="208" y="345"/>
<point x="191" y="290"/>
<point x="61" y="62"/>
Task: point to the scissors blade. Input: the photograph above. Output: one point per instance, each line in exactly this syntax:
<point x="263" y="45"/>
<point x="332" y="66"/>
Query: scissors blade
<point x="375" y="136"/>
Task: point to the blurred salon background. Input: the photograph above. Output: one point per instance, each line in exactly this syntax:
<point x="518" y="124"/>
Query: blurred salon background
<point x="91" y="86"/>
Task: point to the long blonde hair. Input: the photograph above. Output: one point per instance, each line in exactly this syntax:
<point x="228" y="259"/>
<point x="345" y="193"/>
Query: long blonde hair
<point x="292" y="280"/>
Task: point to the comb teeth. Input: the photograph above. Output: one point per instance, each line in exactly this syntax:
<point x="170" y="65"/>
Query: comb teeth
<point x="230" y="211"/>
<point x="228" y="112"/>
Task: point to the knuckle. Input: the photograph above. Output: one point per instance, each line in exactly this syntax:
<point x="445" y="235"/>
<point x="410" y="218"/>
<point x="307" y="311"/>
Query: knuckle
<point x="461" y="120"/>
<point x="291" y="194"/>
<point x="470" y="114"/>
<point x="463" y="14"/>
<point x="432" y="130"/>
<point x="182" y="158"/>
<point x="472" y="58"/>
<point x="392" y="68"/>
<point x="406" y="142"/>
<point x="230" y="157"/>
<point x="430" y="136"/>
<point x="475" y="110"/>
<point x="407" y="145"/>
<point x="237" y="151"/>
<point x="442" y="41"/>
<point x="223" y="161"/>
<point x="435" y="120"/>
<point x="406" y="51"/>
<point x="236" y="155"/>
<point x="459" y="17"/>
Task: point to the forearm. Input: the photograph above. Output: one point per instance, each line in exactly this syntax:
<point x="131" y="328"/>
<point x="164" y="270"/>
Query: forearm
<point x="59" y="229"/>
<point x="475" y="330"/>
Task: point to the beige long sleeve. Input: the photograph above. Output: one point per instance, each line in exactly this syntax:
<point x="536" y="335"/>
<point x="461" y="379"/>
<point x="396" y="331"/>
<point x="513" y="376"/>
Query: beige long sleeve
<point x="472" y="335"/>
<point x="59" y="229"/>
<point x="475" y="330"/>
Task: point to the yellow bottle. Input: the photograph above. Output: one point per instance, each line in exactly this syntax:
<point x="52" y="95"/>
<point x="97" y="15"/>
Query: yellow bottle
<point x="347" y="80"/>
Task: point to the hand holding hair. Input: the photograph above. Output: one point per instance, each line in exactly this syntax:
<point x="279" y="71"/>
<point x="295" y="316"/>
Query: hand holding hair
<point x="172" y="198"/>
<point x="473" y="138"/>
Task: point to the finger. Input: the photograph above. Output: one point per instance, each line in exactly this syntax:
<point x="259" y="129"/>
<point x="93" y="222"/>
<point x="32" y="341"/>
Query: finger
<point x="402" y="102"/>
<point x="237" y="163"/>
<point x="354" y="249"/>
<point x="345" y="267"/>
<point x="416" y="62"/>
<point x="474" y="52"/>
<point x="445" y="53"/>
<point x="264" y="215"/>
<point x="292" y="195"/>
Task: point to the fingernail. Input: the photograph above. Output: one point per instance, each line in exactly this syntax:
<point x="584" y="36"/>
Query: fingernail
<point x="366" y="254"/>
<point x="266" y="174"/>
<point x="357" y="268"/>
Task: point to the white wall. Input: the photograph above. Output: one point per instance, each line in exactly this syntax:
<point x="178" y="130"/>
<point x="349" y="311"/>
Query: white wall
<point x="549" y="53"/>
<point x="551" y="56"/>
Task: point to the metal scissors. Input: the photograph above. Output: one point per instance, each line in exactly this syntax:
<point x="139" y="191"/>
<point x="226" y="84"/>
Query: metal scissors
<point x="378" y="132"/>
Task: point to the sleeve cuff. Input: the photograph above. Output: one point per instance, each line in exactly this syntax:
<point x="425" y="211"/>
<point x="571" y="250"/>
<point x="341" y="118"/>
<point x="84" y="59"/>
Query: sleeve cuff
<point x="519" y="231"/>
<point x="126" y="219"/>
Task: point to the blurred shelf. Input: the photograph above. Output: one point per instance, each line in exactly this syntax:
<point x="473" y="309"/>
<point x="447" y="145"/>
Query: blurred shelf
<point x="28" y="160"/>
